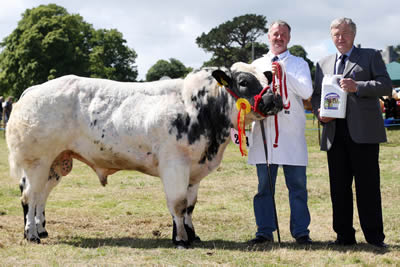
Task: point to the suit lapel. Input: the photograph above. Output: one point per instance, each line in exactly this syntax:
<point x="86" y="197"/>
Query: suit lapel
<point x="353" y="59"/>
<point x="330" y="63"/>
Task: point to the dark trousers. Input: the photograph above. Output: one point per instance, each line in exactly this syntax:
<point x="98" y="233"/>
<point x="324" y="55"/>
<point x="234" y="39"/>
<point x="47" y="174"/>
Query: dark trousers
<point x="346" y="160"/>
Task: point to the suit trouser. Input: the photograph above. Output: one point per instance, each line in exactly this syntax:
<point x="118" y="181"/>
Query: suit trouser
<point x="347" y="159"/>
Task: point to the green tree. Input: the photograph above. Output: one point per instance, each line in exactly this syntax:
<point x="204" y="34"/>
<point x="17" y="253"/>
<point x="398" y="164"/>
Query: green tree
<point x="232" y="41"/>
<point x="110" y="58"/>
<point x="173" y="69"/>
<point x="299" y="51"/>
<point x="49" y="42"/>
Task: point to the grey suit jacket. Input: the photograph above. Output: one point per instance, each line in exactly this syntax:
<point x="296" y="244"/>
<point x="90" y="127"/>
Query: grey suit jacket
<point x="363" y="113"/>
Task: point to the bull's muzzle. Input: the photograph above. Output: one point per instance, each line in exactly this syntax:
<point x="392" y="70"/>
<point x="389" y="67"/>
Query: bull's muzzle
<point x="270" y="103"/>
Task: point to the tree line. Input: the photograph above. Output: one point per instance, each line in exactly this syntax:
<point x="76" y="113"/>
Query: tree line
<point x="49" y="42"/>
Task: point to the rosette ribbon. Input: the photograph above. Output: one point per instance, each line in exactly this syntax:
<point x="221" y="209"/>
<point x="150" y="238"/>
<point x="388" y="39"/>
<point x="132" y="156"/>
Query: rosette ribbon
<point x="244" y="108"/>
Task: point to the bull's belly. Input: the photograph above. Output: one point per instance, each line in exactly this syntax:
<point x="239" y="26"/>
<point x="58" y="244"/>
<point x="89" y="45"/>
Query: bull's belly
<point x="112" y="158"/>
<point x="145" y="157"/>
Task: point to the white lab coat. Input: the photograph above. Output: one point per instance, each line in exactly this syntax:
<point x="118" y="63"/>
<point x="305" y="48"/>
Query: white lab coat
<point x="292" y="146"/>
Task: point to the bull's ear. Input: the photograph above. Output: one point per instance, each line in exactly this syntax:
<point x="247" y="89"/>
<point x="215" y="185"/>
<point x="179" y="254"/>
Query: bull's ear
<point x="222" y="78"/>
<point x="268" y="74"/>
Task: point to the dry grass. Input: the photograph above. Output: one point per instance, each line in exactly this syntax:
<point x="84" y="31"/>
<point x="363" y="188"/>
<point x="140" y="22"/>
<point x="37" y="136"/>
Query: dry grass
<point x="127" y="222"/>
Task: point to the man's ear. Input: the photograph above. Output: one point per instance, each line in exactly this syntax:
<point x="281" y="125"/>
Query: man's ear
<point x="222" y="78"/>
<point x="268" y="75"/>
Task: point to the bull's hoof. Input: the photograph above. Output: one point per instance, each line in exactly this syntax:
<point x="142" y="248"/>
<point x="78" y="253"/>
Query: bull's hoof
<point x="193" y="238"/>
<point x="43" y="234"/>
<point x="181" y="244"/>
<point x="34" y="239"/>
<point x="196" y="239"/>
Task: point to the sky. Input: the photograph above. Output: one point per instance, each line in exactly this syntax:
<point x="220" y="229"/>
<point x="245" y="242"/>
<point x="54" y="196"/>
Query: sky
<point x="167" y="29"/>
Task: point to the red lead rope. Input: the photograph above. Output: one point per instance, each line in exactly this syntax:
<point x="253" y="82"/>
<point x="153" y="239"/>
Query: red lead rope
<point x="257" y="98"/>
<point x="281" y="86"/>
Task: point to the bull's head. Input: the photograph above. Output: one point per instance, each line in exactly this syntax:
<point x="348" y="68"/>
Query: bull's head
<point x="245" y="82"/>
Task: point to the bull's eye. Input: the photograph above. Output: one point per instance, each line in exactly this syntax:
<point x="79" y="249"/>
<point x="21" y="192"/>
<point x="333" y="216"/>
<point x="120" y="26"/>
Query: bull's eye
<point x="243" y="83"/>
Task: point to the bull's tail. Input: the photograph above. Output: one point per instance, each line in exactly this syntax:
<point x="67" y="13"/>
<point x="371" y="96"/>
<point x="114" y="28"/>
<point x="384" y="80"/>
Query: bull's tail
<point x="15" y="170"/>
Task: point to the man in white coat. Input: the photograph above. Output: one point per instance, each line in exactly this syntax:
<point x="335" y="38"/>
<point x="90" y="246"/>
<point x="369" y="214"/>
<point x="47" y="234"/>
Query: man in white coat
<point x="291" y="150"/>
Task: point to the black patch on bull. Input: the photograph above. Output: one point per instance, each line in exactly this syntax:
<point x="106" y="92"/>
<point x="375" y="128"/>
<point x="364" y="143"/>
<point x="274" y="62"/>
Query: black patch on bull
<point x="22" y="185"/>
<point x="190" y="209"/>
<point x="25" y="207"/>
<point x="213" y="122"/>
<point x="53" y="174"/>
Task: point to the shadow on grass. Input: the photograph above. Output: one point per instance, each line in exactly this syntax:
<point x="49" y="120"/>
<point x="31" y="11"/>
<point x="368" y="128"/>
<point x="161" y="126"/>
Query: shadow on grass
<point x="143" y="243"/>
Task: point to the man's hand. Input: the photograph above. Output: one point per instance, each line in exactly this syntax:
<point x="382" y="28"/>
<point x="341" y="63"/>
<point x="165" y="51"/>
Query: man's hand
<point x="274" y="69"/>
<point x="348" y="85"/>
<point x="324" y="119"/>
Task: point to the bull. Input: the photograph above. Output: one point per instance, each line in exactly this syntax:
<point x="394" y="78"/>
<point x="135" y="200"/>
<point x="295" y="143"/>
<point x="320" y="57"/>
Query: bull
<point x="175" y="129"/>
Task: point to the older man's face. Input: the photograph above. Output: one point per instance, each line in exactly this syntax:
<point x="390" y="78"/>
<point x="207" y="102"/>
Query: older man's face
<point x="343" y="37"/>
<point x="278" y="37"/>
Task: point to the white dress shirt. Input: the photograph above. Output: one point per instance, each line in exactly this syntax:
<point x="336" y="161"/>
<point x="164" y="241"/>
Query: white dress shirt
<point x="292" y="146"/>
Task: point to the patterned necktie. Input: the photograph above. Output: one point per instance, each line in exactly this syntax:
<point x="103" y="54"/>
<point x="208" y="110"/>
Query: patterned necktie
<point x="275" y="58"/>
<point x="342" y="64"/>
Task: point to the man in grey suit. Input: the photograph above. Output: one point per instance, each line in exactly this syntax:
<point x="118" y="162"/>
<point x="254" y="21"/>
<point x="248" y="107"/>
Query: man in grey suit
<point x="352" y="143"/>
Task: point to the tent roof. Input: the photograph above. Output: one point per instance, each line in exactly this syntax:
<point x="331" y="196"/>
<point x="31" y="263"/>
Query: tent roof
<point x="393" y="68"/>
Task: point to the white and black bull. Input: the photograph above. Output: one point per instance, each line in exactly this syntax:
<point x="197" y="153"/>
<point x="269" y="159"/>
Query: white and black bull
<point x="174" y="129"/>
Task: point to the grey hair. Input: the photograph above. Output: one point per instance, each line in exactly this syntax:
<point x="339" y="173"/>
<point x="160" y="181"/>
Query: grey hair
<point x="336" y="22"/>
<point x="280" y="22"/>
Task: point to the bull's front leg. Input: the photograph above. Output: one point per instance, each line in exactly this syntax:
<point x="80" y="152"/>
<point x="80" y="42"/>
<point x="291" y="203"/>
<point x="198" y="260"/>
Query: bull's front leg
<point x="53" y="180"/>
<point x="175" y="177"/>
<point x="192" y="199"/>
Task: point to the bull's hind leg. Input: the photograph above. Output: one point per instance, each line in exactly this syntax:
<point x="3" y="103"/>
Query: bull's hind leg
<point x="34" y="201"/>
<point x="40" y="219"/>
<point x="61" y="166"/>
<point x="32" y="184"/>
<point x="191" y="202"/>
<point x="22" y="187"/>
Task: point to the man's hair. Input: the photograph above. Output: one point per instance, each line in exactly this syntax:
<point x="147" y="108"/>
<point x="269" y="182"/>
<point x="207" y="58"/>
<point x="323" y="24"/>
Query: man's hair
<point x="280" y="22"/>
<point x="336" y="22"/>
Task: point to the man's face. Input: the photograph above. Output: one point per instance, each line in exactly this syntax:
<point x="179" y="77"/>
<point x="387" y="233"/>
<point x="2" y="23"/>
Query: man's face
<point x="278" y="37"/>
<point x="343" y="37"/>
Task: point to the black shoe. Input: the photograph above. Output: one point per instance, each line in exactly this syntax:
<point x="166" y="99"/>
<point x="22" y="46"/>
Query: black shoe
<point x="304" y="240"/>
<point x="380" y="244"/>
<point x="260" y="239"/>
<point x="341" y="242"/>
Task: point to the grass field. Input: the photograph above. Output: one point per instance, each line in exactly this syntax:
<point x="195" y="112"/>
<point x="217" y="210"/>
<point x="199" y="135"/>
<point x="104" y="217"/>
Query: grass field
<point x="127" y="222"/>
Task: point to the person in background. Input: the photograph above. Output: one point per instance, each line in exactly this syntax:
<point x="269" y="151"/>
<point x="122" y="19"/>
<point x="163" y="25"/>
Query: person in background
<point x="352" y="143"/>
<point x="291" y="152"/>
<point x="7" y="108"/>
<point x="1" y="108"/>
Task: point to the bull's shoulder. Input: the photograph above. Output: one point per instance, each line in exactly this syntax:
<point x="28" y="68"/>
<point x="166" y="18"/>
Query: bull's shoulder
<point x="199" y="85"/>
